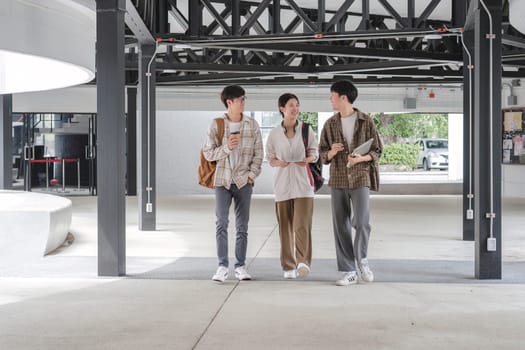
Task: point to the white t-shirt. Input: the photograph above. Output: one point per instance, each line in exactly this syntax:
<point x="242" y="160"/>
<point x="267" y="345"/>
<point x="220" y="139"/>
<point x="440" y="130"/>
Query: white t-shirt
<point x="348" y="128"/>
<point x="234" y="155"/>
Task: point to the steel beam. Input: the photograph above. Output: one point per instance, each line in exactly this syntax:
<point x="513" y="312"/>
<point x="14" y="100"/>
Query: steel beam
<point x="253" y="19"/>
<point x="339" y="15"/>
<point x="212" y="78"/>
<point x="194" y="17"/>
<point x="236" y="26"/>
<point x="136" y="24"/>
<point x="6" y="141"/>
<point x="365" y="19"/>
<point x="293" y="25"/>
<point x="236" y="17"/>
<point x="256" y="25"/>
<point x="111" y="138"/>
<point x="162" y="24"/>
<point x="390" y="9"/>
<point x="341" y="51"/>
<point x="512" y="40"/>
<point x="252" y="50"/>
<point x="513" y="55"/>
<point x="236" y="68"/>
<point x="219" y="18"/>
<point x="308" y="37"/>
<point x="428" y="11"/>
<point x="275" y="17"/>
<point x="307" y="21"/>
<point x="246" y="79"/>
<point x="177" y="15"/>
<point x="411" y="13"/>
<point x="321" y="15"/>
<point x="459" y="12"/>
<point x="487" y="140"/>
<point x="388" y="67"/>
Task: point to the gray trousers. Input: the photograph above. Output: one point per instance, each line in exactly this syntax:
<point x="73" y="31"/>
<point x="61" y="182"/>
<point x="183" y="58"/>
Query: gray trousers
<point x="343" y="202"/>
<point x="223" y="200"/>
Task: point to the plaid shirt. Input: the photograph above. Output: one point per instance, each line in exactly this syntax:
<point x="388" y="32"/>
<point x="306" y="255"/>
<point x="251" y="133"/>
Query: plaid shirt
<point x="250" y="153"/>
<point x="364" y="174"/>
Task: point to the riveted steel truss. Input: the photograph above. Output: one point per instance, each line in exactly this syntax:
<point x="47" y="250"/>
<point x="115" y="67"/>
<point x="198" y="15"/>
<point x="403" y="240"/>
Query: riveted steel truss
<point x="275" y="42"/>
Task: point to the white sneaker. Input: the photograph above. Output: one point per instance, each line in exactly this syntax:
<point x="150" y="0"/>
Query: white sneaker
<point x="221" y="275"/>
<point x="303" y="270"/>
<point x="347" y="279"/>
<point x="290" y="274"/>
<point x="364" y="270"/>
<point x="242" y="274"/>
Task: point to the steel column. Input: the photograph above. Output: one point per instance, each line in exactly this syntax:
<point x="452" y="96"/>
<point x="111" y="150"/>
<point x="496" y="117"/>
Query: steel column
<point x="195" y="17"/>
<point x="146" y="163"/>
<point x="411" y="10"/>
<point x="468" y="138"/>
<point x="321" y="15"/>
<point x="340" y="15"/>
<point x="6" y="141"/>
<point x="162" y="24"/>
<point x="364" y="24"/>
<point x="275" y="18"/>
<point x="131" y="149"/>
<point x="236" y="26"/>
<point x="487" y="139"/>
<point x="459" y="15"/>
<point x="111" y="138"/>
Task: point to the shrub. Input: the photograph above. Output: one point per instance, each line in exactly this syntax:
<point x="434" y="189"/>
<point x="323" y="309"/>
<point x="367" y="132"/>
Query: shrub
<point x="400" y="154"/>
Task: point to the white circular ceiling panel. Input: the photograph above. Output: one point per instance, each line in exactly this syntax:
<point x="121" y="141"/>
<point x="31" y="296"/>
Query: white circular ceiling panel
<point x="45" y="44"/>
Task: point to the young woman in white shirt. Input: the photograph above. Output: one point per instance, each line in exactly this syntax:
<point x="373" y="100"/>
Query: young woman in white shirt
<point x="293" y="187"/>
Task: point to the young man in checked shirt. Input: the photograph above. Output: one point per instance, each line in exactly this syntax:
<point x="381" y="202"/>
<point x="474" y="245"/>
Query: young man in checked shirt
<point x="239" y="157"/>
<point x="352" y="176"/>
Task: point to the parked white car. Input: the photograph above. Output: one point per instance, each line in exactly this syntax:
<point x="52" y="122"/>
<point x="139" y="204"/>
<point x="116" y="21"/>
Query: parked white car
<point x="433" y="154"/>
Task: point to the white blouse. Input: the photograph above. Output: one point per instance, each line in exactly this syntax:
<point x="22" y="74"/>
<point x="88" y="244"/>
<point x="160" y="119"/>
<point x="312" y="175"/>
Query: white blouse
<point x="292" y="181"/>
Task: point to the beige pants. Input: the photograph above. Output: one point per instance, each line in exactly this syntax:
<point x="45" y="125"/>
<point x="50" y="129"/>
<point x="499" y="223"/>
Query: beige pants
<point x="295" y="230"/>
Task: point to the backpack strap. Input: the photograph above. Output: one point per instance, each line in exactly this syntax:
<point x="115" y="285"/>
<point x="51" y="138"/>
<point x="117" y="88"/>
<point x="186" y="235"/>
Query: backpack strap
<point x="220" y="129"/>
<point x="304" y="132"/>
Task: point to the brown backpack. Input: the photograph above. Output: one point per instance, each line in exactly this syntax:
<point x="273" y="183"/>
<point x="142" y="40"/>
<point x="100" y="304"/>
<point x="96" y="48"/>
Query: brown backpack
<point x="207" y="168"/>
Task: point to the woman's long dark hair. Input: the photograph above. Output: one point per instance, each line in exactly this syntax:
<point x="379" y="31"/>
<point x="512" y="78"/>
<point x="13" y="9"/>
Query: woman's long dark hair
<point x="283" y="100"/>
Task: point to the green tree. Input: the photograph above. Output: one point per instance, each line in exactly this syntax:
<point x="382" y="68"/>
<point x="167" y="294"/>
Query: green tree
<point x="397" y="127"/>
<point x="400" y="154"/>
<point x="310" y="118"/>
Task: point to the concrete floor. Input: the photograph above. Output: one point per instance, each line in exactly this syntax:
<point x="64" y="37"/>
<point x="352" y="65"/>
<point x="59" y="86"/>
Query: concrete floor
<point x="424" y="296"/>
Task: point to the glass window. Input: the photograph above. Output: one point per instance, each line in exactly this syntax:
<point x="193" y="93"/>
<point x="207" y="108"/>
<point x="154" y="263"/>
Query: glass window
<point x="437" y="144"/>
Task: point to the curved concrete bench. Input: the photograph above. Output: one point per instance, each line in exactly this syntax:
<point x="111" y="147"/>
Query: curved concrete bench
<point x="32" y="224"/>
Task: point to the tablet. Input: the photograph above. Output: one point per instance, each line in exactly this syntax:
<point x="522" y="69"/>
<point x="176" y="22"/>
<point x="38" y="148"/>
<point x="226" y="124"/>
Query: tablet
<point x="364" y="148"/>
<point x="295" y="159"/>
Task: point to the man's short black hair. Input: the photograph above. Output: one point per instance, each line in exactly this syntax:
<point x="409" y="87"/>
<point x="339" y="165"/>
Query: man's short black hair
<point x="345" y="87"/>
<point x="231" y="92"/>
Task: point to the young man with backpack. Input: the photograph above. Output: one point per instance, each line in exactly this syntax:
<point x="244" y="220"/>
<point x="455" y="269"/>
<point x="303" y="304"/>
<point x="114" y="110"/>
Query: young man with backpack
<point x="239" y="157"/>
